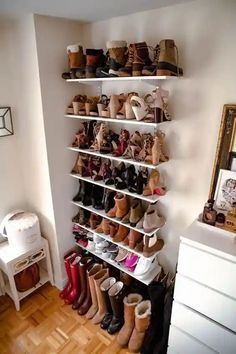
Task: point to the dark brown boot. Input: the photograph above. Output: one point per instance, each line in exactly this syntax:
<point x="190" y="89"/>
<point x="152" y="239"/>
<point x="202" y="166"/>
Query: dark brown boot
<point x="127" y="69"/>
<point x="116" y="295"/>
<point x="83" y="265"/>
<point x="168" y="59"/>
<point x="105" y="286"/>
<point x="141" y="58"/>
<point x="94" y="59"/>
<point x="149" y="70"/>
<point x="117" y="56"/>
<point x="76" y="60"/>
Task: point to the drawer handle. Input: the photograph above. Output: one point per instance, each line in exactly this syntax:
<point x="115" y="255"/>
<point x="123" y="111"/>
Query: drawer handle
<point x="21" y="264"/>
<point x="37" y="255"/>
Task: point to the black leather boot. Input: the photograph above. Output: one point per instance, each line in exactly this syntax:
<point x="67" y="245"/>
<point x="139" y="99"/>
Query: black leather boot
<point x="97" y="197"/>
<point x="108" y="200"/>
<point x="116" y="295"/>
<point x="87" y="192"/>
<point x="80" y="195"/>
<point x="105" y="286"/>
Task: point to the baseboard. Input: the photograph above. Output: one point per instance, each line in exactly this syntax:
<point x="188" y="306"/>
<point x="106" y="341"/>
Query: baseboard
<point x="60" y="283"/>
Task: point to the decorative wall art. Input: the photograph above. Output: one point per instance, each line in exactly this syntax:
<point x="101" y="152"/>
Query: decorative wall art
<point x="6" y="126"/>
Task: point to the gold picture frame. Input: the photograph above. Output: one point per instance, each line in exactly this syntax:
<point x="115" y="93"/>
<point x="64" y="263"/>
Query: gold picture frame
<point x="226" y="145"/>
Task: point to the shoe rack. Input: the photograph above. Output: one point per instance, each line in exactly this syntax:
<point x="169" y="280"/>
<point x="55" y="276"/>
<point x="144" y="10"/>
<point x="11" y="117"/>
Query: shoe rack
<point x="153" y="80"/>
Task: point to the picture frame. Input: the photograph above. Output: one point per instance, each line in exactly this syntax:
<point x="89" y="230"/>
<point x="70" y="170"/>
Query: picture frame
<point x="225" y="193"/>
<point x="6" y="125"/>
<point x="226" y="145"/>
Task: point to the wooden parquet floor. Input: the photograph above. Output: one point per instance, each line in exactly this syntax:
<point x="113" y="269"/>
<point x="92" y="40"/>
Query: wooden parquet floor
<point x="44" y="325"/>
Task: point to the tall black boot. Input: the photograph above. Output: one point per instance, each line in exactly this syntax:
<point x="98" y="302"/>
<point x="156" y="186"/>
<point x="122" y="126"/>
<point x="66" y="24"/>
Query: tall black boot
<point x="116" y="295"/>
<point x="80" y="195"/>
<point x="87" y="199"/>
<point x="108" y="200"/>
<point x="97" y="196"/>
<point x="105" y="286"/>
<point x="153" y="335"/>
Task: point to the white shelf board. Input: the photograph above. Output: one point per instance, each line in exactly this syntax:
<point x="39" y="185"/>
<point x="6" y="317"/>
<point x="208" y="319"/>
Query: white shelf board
<point x="103" y="215"/>
<point x="109" y="238"/>
<point x="117" y="79"/>
<point x="113" y="120"/>
<point x="44" y="278"/>
<point x="150" y="199"/>
<point x="111" y="157"/>
<point x="150" y="276"/>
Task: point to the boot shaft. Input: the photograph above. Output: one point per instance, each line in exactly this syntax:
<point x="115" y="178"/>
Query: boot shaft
<point x="76" y="56"/>
<point x="130" y="302"/>
<point x="168" y="51"/>
<point x="116" y="295"/>
<point x="141" y="55"/>
<point x="142" y="316"/>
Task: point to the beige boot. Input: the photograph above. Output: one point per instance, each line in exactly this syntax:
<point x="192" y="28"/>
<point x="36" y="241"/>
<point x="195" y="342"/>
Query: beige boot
<point x="94" y="307"/>
<point x="136" y="212"/>
<point x="142" y="321"/>
<point x="98" y="279"/>
<point x="168" y="59"/>
<point x="130" y="302"/>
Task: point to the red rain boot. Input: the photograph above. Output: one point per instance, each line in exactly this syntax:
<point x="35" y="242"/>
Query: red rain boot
<point x="67" y="261"/>
<point x="74" y="293"/>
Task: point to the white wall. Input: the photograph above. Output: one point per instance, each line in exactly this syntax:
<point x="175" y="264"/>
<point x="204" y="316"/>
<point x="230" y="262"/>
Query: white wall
<point x="11" y="184"/>
<point x="56" y="94"/>
<point x="205" y="34"/>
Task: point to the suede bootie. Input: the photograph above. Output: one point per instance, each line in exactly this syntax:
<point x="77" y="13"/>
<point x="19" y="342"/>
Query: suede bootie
<point x="152" y="220"/>
<point x="130" y="302"/>
<point x="121" y="234"/>
<point x="122" y="205"/>
<point x="136" y="212"/>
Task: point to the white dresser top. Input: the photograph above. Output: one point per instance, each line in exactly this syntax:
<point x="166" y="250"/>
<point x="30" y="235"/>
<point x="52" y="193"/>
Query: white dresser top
<point x="211" y="239"/>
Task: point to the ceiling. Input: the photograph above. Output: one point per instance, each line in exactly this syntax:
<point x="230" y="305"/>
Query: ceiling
<point x="82" y="10"/>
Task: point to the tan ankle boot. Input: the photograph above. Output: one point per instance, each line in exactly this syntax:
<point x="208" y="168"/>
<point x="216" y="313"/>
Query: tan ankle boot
<point x="133" y="238"/>
<point x="142" y="321"/>
<point x="122" y="205"/>
<point x="104" y="227"/>
<point x="152" y="245"/>
<point x="121" y="233"/>
<point x="94" y="307"/>
<point x="130" y="302"/>
<point x="98" y="279"/>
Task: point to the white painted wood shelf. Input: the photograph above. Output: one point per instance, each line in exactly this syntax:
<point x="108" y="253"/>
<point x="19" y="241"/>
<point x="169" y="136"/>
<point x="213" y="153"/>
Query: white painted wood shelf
<point x="103" y="215"/>
<point x="120" y="244"/>
<point x="147" y="279"/>
<point x="120" y="79"/>
<point x="114" y="120"/>
<point x="114" y="158"/>
<point x="150" y="199"/>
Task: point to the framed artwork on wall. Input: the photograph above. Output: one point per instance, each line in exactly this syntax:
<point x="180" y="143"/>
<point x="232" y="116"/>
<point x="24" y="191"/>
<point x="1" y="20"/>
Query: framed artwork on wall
<point x="6" y="126"/>
<point x="225" y="193"/>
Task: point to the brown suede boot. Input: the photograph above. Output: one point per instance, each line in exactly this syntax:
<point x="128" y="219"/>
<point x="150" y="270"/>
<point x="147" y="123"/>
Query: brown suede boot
<point x="141" y="58"/>
<point x="121" y="233"/>
<point x="76" y="56"/>
<point x="98" y="279"/>
<point x="113" y="228"/>
<point x="168" y="59"/>
<point x="94" y="307"/>
<point x="136" y="212"/>
<point x="133" y="238"/>
<point x="130" y="302"/>
<point x="142" y="321"/>
<point x="122" y="205"/>
<point x="117" y="56"/>
<point x="127" y="69"/>
<point x="112" y="212"/>
<point x="104" y="227"/>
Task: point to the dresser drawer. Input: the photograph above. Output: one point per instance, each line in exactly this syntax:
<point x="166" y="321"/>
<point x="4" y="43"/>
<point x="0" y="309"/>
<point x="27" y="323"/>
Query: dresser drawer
<point x="210" y="303"/>
<point x="208" y="332"/>
<point x="213" y="271"/>
<point x="182" y="343"/>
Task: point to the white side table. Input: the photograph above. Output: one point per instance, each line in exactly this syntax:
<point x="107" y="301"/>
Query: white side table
<point x="12" y="263"/>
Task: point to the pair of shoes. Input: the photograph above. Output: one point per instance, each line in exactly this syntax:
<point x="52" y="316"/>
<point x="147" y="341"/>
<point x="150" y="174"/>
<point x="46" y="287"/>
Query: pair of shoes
<point x="89" y="196"/>
<point x="137" y="314"/>
<point x="151" y="220"/>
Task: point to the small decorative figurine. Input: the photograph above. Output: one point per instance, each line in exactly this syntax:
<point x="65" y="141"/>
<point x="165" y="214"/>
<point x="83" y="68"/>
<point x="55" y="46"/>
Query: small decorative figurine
<point x="209" y="213"/>
<point x="230" y="221"/>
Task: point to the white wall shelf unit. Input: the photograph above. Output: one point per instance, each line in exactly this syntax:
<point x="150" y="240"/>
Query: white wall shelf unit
<point x="119" y="79"/>
<point x="109" y="238"/>
<point x="114" y="158"/>
<point x="114" y="120"/>
<point x="145" y="279"/>
<point x="150" y="199"/>
<point x="103" y="215"/>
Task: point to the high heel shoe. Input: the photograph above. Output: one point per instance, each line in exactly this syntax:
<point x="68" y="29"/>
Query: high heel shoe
<point x="78" y="104"/>
<point x="157" y="149"/>
<point x="152" y="245"/>
<point x="122" y="143"/>
<point x="160" y="105"/>
<point x="146" y="152"/>
<point x="129" y="113"/>
<point x="115" y="104"/>
<point x="91" y="106"/>
<point x="153" y="185"/>
<point x="81" y="140"/>
<point x="134" y="146"/>
<point x="139" y="107"/>
<point x="102" y="104"/>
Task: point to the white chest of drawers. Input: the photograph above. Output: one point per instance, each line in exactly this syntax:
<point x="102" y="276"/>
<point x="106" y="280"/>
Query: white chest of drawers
<point x="203" y="319"/>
